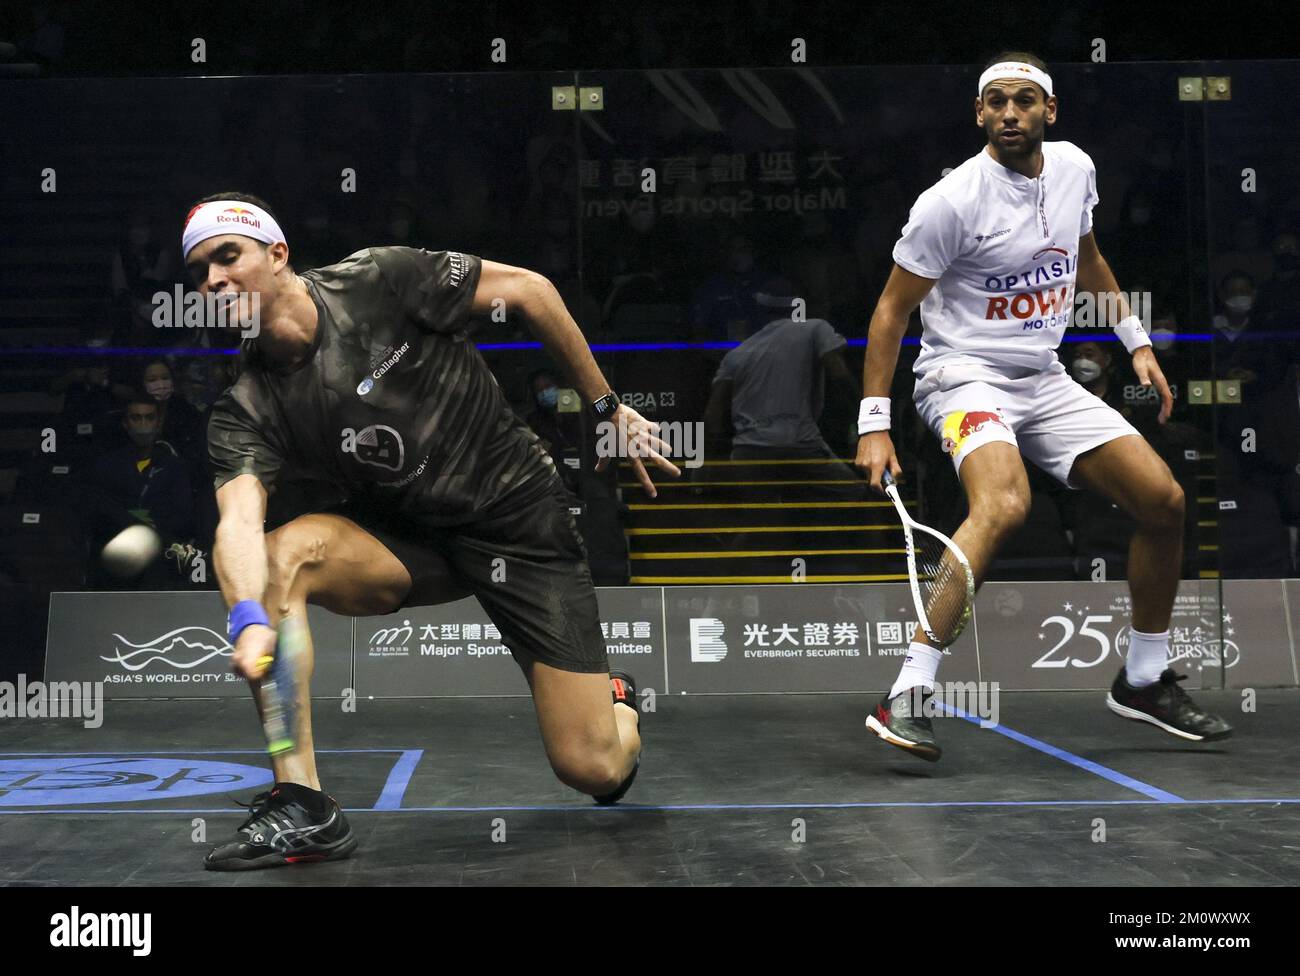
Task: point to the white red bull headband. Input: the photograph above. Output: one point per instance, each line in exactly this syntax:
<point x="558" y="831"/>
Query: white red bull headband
<point x="1015" y="69"/>
<point x="228" y="217"/>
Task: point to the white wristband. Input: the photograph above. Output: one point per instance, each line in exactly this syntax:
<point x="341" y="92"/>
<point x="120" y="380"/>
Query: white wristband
<point x="1131" y="333"/>
<point x="873" y="414"/>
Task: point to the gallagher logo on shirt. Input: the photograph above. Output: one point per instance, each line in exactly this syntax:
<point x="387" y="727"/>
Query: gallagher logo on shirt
<point x="1040" y="308"/>
<point x="368" y="384"/>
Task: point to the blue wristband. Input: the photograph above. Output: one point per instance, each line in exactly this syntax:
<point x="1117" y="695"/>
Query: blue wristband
<point x="243" y="613"/>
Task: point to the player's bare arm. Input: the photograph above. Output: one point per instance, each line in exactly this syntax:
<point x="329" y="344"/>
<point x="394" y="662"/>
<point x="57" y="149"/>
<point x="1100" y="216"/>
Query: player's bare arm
<point x="903" y="293"/>
<point x="239" y="554"/>
<point x="1095" y="276"/>
<point x="534" y="297"/>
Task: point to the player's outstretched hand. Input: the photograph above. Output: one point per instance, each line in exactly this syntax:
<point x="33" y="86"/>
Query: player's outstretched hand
<point x="875" y="454"/>
<point x="1149" y="372"/>
<point x="637" y="438"/>
<point x="253" y="650"/>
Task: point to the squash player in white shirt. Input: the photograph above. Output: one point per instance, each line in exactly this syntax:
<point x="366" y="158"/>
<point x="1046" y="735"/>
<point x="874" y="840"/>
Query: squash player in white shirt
<point x="993" y="254"/>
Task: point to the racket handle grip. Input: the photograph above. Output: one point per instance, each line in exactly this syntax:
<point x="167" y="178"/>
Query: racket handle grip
<point x="886" y="478"/>
<point x="279" y="691"/>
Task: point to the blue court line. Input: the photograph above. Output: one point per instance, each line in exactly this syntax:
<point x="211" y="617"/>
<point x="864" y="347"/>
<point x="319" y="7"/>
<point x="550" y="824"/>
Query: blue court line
<point x="704" y="807"/>
<point x="400" y="775"/>
<point x="1104" y="772"/>
<point x="398" y="778"/>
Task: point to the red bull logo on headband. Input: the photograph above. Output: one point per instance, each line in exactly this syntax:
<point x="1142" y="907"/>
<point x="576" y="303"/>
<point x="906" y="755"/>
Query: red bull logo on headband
<point x="218" y="217"/>
<point x="239" y="215"/>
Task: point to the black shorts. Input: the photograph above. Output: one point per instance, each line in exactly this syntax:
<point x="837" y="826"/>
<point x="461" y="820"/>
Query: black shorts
<point x="525" y="562"/>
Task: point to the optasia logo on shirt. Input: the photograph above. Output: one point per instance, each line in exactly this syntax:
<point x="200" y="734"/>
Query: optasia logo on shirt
<point x="1037" y="309"/>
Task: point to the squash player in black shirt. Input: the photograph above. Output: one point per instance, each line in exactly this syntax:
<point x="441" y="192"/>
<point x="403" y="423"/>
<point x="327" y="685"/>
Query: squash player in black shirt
<point x="363" y="376"/>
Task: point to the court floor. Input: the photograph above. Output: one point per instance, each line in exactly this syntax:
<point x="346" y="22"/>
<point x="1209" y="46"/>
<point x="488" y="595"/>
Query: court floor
<point x="787" y="789"/>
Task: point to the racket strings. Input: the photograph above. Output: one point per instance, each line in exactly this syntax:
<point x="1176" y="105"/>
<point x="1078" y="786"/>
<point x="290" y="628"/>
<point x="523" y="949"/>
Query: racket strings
<point x="942" y="579"/>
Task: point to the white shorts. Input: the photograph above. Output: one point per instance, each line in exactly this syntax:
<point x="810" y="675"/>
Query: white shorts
<point x="1049" y="417"/>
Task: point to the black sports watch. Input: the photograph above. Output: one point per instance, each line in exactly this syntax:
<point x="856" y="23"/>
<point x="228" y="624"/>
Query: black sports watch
<point x="603" y="408"/>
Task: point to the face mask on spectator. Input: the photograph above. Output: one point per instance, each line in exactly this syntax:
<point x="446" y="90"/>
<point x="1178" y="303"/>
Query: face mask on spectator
<point x="142" y="433"/>
<point x="548" y="398"/>
<point x="1085" y="370"/>
<point x="1239" y="304"/>
<point x="159" y="389"/>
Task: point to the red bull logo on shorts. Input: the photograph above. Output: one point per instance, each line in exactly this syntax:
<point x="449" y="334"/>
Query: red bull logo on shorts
<point x="959" y="425"/>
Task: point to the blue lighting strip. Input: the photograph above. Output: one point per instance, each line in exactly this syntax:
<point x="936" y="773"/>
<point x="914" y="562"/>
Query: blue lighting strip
<point x="184" y="351"/>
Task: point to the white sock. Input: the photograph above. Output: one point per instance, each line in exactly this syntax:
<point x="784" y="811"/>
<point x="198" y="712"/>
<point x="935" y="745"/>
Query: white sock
<point x="919" y="668"/>
<point x="1147" y="657"/>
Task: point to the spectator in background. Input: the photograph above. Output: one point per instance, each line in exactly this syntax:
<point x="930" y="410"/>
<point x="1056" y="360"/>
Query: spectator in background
<point x="543" y="397"/>
<point x="141" y="267"/>
<point x="142" y="482"/>
<point x="1154" y="208"/>
<point x="1240" y="353"/>
<point x="770" y="390"/>
<point x="180" y="425"/>
<point x="1273" y="468"/>
<point x="92" y="393"/>
<point x="561" y="434"/>
<point x="1278" y="307"/>
<point x="1091" y="365"/>
<point x="724" y="307"/>
<point x="1237" y="301"/>
<point x="87" y="392"/>
<point x="603" y="513"/>
<point x="1257" y="533"/>
<point x="769" y="393"/>
<point x="1100" y="528"/>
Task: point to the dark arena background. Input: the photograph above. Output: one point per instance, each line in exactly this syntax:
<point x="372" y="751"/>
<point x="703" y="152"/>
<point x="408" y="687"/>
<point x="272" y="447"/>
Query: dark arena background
<point x="684" y="175"/>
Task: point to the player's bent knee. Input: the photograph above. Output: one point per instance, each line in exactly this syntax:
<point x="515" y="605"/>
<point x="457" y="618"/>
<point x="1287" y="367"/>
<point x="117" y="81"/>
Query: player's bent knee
<point x="1167" y="507"/>
<point x="1004" y="511"/>
<point x="594" y="774"/>
<point x="292" y="549"/>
